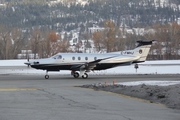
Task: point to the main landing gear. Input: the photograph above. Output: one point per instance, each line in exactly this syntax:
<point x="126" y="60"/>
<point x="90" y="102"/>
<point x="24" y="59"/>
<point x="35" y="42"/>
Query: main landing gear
<point x="76" y="75"/>
<point x="85" y="76"/>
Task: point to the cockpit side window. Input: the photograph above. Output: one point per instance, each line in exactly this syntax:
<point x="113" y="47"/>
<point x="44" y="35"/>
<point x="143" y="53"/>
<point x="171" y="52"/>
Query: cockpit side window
<point x="57" y="57"/>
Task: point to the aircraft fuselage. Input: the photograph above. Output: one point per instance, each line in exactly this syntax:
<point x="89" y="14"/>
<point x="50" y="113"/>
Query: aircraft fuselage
<point x="86" y="62"/>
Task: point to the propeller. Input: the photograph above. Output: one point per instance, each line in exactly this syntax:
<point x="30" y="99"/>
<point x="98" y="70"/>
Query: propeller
<point x="27" y="63"/>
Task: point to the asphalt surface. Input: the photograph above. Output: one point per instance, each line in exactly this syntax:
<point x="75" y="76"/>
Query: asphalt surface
<point x="28" y="97"/>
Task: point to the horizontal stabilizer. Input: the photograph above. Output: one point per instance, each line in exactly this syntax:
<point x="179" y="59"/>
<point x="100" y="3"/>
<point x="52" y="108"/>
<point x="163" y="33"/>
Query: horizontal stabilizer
<point x="144" y="42"/>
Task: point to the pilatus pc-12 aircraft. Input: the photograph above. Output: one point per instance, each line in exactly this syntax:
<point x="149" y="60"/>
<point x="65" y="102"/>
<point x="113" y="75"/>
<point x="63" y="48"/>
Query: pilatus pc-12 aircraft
<point x="81" y="63"/>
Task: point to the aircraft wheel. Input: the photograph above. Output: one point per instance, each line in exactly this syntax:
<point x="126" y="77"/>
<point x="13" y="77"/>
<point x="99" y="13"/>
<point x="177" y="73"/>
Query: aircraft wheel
<point x="46" y="76"/>
<point x="76" y="75"/>
<point x="85" y="76"/>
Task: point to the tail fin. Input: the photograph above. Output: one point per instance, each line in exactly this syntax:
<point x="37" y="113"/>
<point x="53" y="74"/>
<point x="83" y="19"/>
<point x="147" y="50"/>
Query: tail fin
<point x="142" y="50"/>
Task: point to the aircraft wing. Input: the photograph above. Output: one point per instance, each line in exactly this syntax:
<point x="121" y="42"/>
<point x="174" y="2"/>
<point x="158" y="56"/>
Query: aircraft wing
<point x="86" y="66"/>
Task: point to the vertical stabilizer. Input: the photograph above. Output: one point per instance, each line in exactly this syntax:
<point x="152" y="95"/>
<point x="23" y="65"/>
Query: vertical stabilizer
<point x="142" y="50"/>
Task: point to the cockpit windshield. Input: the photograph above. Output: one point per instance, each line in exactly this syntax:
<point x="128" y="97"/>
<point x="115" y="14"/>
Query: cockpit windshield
<point x="57" y="57"/>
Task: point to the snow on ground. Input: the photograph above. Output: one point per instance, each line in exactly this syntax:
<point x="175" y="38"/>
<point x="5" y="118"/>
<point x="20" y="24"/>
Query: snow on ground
<point x="5" y="63"/>
<point x="161" y="62"/>
<point x="148" y="67"/>
<point x="159" y="83"/>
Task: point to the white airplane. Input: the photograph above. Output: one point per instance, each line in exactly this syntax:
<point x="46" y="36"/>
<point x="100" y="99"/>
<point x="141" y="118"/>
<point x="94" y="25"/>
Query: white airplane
<point x="86" y="62"/>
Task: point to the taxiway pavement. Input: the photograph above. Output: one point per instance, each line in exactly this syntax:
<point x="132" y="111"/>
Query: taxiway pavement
<point x="28" y="97"/>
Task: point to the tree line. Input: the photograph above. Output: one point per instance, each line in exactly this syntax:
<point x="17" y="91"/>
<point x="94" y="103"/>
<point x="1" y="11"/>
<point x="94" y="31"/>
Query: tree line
<point x="46" y="43"/>
<point x="42" y="43"/>
<point x="167" y="45"/>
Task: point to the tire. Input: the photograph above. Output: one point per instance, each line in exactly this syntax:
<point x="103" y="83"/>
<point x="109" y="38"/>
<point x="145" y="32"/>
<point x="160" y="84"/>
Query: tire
<point x="85" y="76"/>
<point x="76" y="75"/>
<point x="46" y="76"/>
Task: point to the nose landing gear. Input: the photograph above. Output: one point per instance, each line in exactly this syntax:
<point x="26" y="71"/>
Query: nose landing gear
<point x="46" y="76"/>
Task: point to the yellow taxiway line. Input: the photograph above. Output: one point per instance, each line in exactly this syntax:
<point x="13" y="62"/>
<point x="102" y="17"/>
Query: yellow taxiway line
<point x="16" y="89"/>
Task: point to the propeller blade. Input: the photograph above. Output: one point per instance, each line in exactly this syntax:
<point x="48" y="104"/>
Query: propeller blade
<point x="28" y="57"/>
<point x="27" y="63"/>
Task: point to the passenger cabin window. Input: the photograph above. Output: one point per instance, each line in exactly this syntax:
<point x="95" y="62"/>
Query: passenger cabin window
<point x="86" y="58"/>
<point x="79" y="58"/>
<point x="73" y="58"/>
